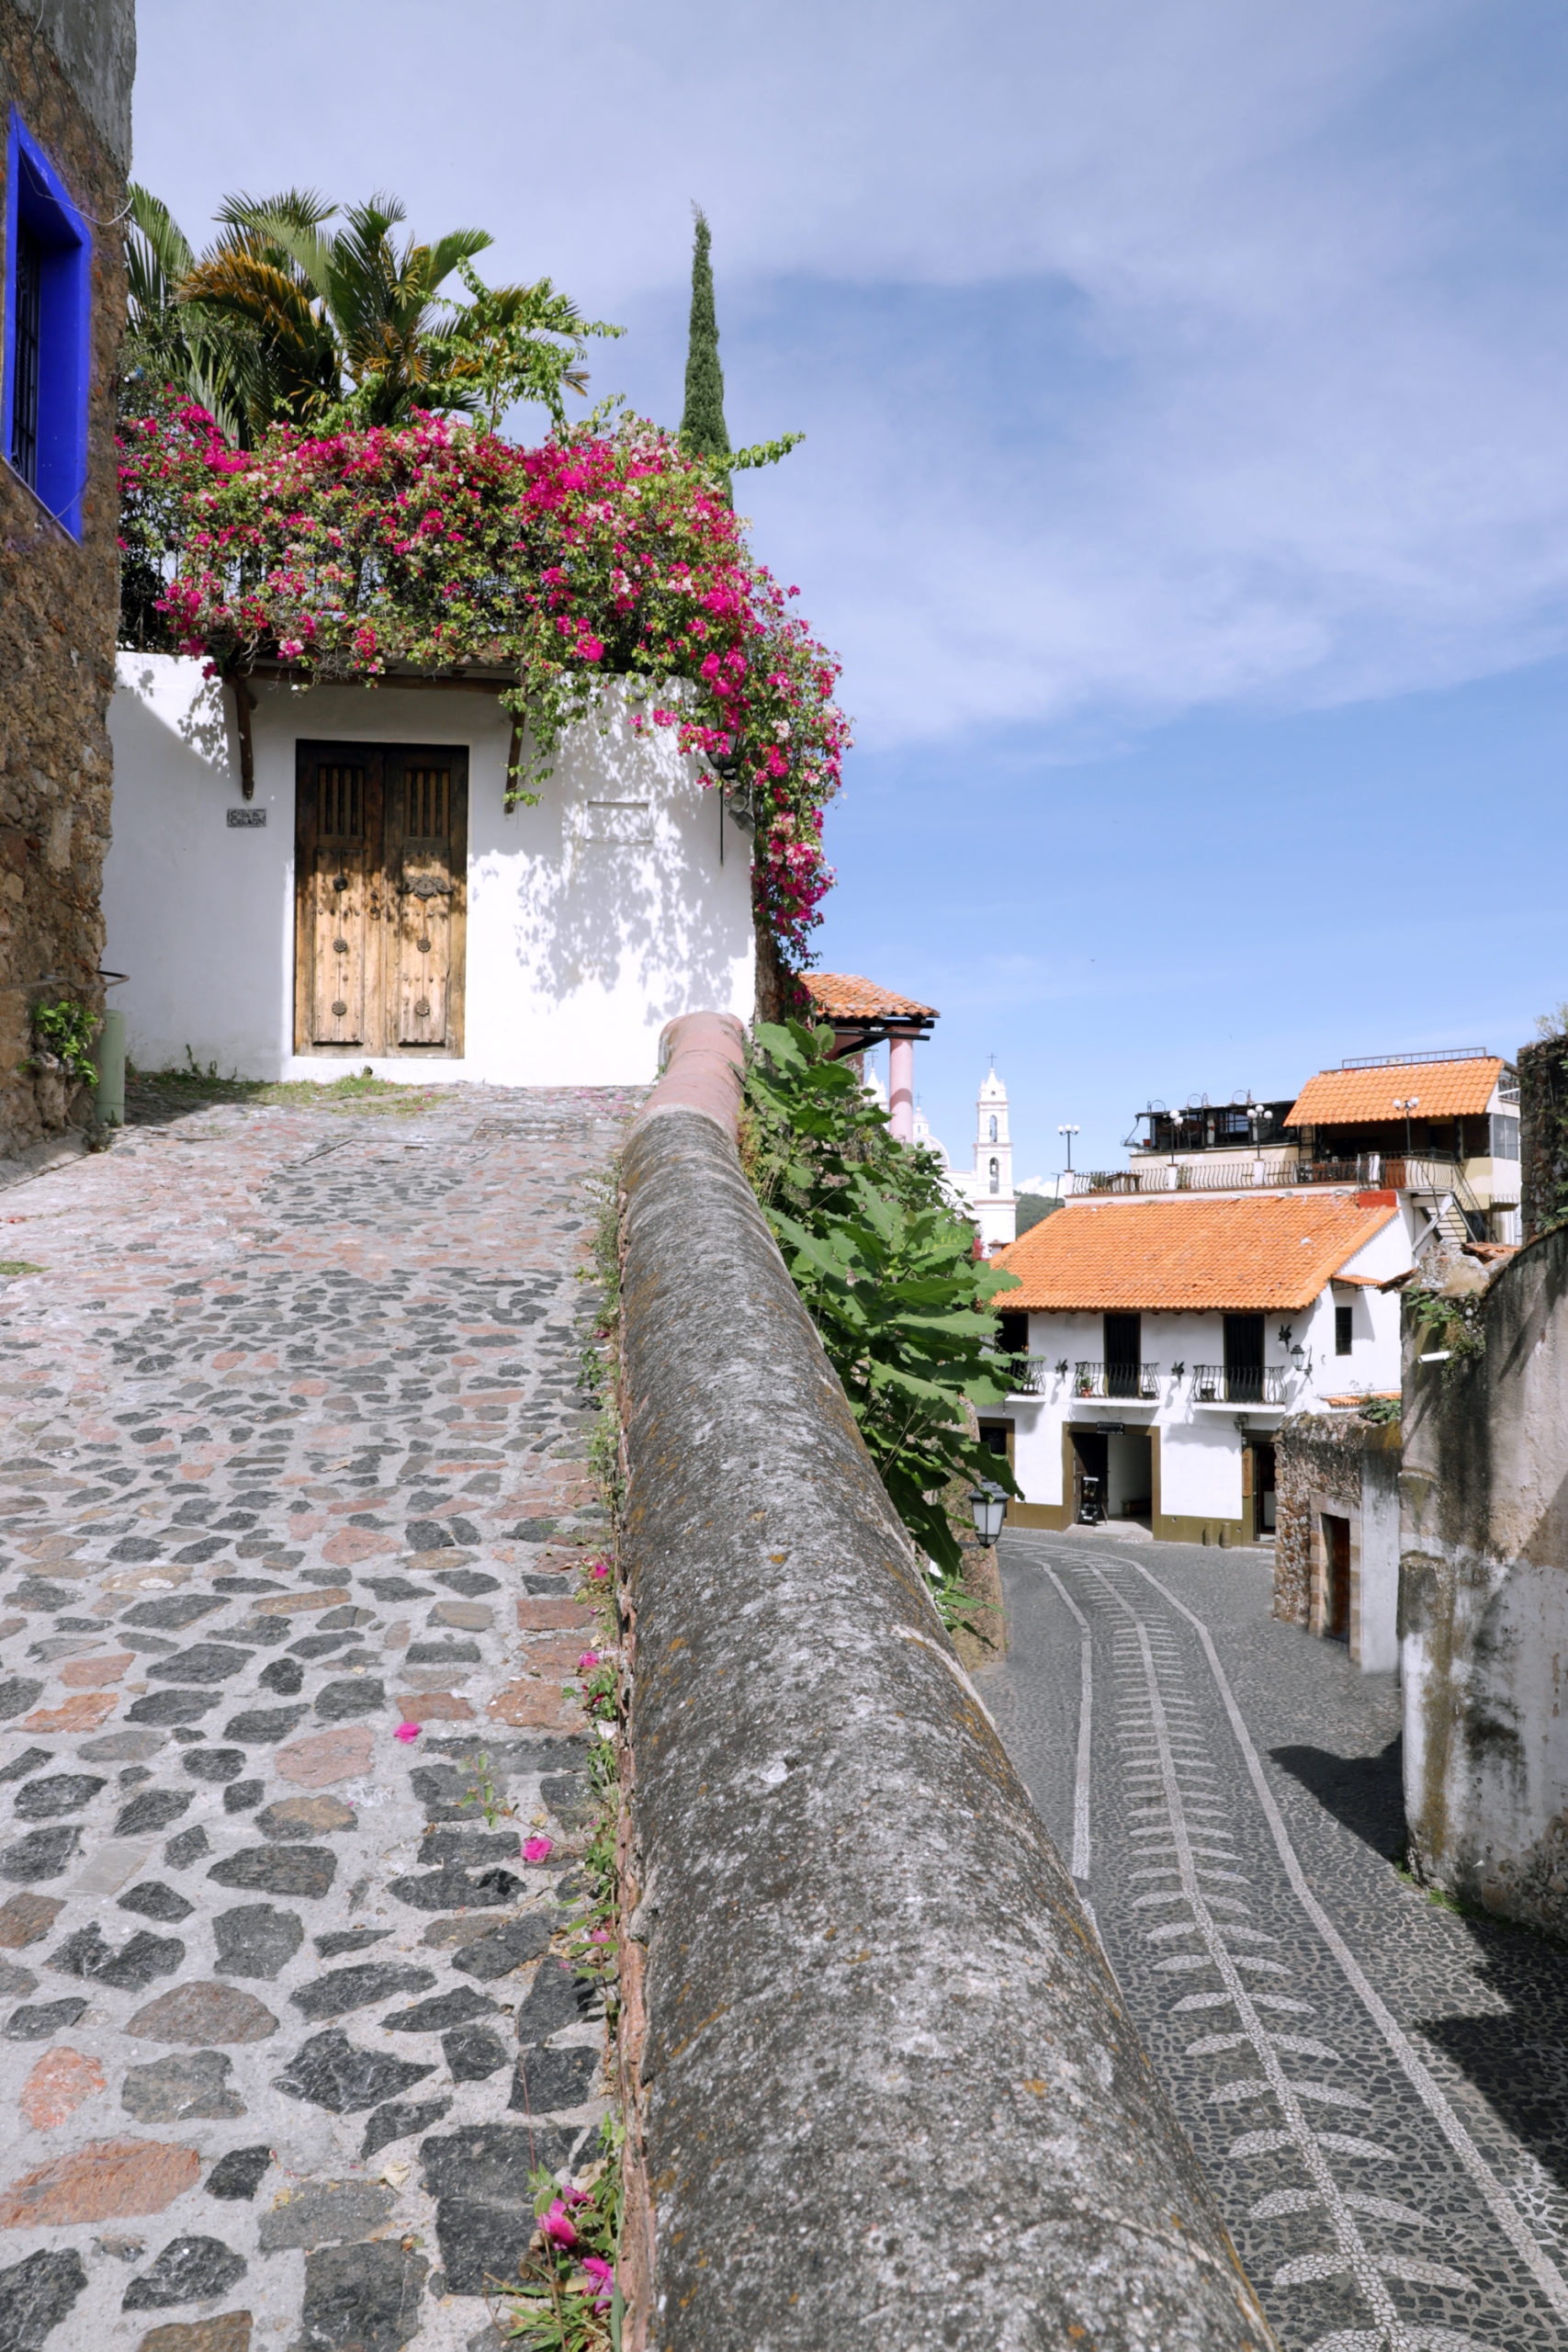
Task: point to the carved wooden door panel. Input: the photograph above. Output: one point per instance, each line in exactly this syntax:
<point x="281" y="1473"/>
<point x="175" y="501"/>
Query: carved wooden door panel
<point x="380" y="861"/>
<point x="338" y="897"/>
<point x="427" y="795"/>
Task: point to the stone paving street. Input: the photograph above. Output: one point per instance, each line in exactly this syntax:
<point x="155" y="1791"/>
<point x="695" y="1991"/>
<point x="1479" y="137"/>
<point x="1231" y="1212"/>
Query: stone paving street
<point x="1377" y="2088"/>
<point x="292" y="1451"/>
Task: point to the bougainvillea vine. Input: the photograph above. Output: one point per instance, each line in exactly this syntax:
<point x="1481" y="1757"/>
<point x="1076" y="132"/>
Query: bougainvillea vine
<point x="437" y="545"/>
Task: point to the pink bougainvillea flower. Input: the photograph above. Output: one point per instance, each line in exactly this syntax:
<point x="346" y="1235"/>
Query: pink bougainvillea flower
<point x="407" y="1732"/>
<point x="354" y="551"/>
<point x="598" y="1570"/>
<point x="558" y="2225"/>
<point x="598" y="1935"/>
<point x="603" y="2274"/>
<point x="537" y="1850"/>
<point x="588" y="1661"/>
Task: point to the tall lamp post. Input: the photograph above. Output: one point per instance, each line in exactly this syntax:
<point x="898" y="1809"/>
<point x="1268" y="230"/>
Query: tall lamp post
<point x="1069" y="1133"/>
<point x="1407" y="1103"/>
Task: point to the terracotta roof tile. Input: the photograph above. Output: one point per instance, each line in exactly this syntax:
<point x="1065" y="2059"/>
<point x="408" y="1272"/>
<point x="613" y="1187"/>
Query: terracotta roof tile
<point x="845" y="996"/>
<point x="1359" y="1097"/>
<point x="1218" y="1253"/>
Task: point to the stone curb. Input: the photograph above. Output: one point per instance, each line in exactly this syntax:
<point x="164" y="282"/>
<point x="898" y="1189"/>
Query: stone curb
<point x="885" y="2089"/>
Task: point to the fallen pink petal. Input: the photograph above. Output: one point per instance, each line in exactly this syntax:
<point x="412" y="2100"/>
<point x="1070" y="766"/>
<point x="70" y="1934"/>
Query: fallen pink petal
<point x="537" y="1850"/>
<point x="407" y="1732"/>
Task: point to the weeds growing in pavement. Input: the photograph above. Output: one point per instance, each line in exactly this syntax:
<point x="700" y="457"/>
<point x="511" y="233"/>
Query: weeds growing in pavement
<point x="358" y="1091"/>
<point x="566" y="2298"/>
<point x="483" y="1794"/>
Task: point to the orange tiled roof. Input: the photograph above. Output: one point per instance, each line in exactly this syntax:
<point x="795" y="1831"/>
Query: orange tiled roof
<point x="1215" y="1253"/>
<point x="1359" y="1097"/>
<point x="845" y="996"/>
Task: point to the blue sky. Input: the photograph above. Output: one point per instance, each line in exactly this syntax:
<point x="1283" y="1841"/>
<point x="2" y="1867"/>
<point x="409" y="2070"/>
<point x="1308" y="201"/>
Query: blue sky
<point x="1186" y="487"/>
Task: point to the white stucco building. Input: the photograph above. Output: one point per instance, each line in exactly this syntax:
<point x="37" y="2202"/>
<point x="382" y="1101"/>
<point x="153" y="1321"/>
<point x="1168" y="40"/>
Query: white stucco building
<point x="1159" y="1342"/>
<point x="375" y="902"/>
<point x="987" y="1189"/>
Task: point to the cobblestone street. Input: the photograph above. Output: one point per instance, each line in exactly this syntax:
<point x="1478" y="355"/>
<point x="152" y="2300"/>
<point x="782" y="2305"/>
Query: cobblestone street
<point x="293" y="1451"/>
<point x="1375" y="2085"/>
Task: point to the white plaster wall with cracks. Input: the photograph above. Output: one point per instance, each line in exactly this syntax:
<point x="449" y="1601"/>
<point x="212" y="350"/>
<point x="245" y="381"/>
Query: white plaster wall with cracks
<point x="593" y="918"/>
<point x="1483" y="1601"/>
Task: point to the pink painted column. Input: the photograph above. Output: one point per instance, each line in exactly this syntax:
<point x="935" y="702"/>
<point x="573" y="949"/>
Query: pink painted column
<point x="901" y="1087"/>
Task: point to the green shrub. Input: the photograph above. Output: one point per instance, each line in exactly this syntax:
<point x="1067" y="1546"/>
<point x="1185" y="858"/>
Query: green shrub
<point x="67" y="1031"/>
<point x="885" y="1266"/>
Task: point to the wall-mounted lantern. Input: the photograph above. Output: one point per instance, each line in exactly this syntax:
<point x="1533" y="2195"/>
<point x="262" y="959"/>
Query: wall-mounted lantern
<point x="988" y="1505"/>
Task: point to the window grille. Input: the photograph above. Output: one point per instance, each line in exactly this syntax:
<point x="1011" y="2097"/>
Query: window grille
<point x="425" y="819"/>
<point x="24" y="355"/>
<point x="341" y="804"/>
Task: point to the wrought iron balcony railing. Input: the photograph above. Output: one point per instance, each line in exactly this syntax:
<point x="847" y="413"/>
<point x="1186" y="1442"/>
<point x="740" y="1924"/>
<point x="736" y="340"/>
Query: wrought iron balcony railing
<point x="1135" y="1383"/>
<point x="1250" y="1384"/>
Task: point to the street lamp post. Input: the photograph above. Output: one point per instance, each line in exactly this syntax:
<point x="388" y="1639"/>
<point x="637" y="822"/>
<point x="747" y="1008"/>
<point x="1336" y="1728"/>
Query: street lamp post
<point x="1407" y="1103"/>
<point x="1069" y="1133"/>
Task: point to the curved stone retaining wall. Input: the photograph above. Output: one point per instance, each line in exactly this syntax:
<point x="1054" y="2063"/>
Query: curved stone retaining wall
<point x="882" y="2088"/>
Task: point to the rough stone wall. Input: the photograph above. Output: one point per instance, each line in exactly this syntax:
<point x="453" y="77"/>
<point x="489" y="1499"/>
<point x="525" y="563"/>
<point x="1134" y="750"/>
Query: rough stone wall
<point x="59" y="599"/>
<point x="882" y="2086"/>
<point x="1339" y="1462"/>
<point x="1543" y="1134"/>
<point x="1315" y="1453"/>
<point x="1483" y="1598"/>
<point x="95" y="42"/>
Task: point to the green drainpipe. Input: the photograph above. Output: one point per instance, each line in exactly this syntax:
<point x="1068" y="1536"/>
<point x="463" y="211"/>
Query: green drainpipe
<point x="110" y="1057"/>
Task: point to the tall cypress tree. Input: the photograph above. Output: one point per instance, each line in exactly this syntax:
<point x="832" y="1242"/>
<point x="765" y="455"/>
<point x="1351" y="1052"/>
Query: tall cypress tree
<point x="702" y="422"/>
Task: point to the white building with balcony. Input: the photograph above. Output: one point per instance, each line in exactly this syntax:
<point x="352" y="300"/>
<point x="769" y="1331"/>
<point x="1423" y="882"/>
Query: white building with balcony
<point x="1160" y="1340"/>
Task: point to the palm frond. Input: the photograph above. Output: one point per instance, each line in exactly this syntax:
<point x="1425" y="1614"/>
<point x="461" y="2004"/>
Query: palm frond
<point x="300" y="208"/>
<point x="157" y="254"/>
<point x="460" y="244"/>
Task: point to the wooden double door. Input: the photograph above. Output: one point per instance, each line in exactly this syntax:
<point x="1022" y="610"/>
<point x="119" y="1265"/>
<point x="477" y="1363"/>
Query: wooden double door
<point x="381" y="843"/>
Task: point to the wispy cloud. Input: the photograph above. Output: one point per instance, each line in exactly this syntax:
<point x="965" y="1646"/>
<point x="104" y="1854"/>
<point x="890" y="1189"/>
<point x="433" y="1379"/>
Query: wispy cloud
<point x="1153" y="355"/>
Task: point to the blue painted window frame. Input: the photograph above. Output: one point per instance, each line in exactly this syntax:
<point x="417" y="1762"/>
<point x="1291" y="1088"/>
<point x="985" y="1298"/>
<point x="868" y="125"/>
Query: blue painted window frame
<point x="35" y="195"/>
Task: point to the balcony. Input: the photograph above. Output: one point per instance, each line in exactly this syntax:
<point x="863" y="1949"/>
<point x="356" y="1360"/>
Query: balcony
<point x="1132" y="1384"/>
<point x="1363" y="1171"/>
<point x="1224" y="1176"/>
<point x="1248" y="1384"/>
